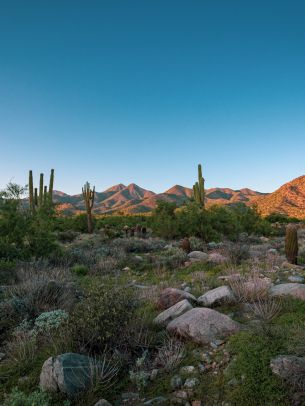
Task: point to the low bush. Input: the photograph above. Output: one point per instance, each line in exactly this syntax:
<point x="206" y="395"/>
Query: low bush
<point x="99" y="320"/>
<point x="37" y="398"/>
<point x="79" y="270"/>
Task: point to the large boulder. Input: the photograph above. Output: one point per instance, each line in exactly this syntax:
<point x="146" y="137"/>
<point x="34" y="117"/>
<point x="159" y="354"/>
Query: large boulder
<point x="198" y="256"/>
<point x="289" y="367"/>
<point x="67" y="373"/>
<point x="170" y="296"/>
<point x="296" y="290"/>
<point x="173" y="312"/>
<point x="222" y="294"/>
<point x="203" y="325"/>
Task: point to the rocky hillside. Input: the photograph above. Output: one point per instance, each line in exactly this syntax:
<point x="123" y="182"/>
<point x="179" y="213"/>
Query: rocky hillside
<point x="288" y="199"/>
<point x="134" y="199"/>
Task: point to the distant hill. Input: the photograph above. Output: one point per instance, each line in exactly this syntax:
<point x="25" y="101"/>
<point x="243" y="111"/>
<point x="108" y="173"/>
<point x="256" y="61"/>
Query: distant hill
<point x="134" y="199"/>
<point x="288" y="199"/>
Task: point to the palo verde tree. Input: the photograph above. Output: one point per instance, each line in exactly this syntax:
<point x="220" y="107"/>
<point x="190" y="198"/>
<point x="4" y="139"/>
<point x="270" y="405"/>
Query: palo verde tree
<point x="89" y="195"/>
<point x="198" y="189"/>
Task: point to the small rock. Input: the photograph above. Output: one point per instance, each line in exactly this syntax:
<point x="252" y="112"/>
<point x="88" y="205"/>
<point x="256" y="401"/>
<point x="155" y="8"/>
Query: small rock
<point x="154" y="374"/>
<point x="130" y="396"/>
<point x="170" y="296"/>
<point x="126" y="269"/>
<point x="287" y="366"/>
<point x="173" y="312"/>
<point x="190" y="369"/>
<point x="102" y="402"/>
<point x="190" y="383"/>
<point x="2" y="356"/>
<point x="296" y="290"/>
<point x="198" y="256"/>
<point x="181" y="394"/>
<point x="196" y="403"/>
<point x="296" y="278"/>
<point x="222" y="294"/>
<point x="176" y="382"/>
<point x="159" y="400"/>
<point x="138" y="258"/>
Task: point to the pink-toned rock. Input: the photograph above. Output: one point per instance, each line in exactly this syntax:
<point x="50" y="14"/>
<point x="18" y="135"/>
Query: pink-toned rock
<point x="203" y="325"/>
<point x="173" y="312"/>
<point x="296" y="290"/>
<point x="170" y="296"/>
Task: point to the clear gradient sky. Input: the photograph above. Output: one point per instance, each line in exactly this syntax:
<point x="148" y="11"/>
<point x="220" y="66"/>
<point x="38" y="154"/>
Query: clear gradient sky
<point x="141" y="91"/>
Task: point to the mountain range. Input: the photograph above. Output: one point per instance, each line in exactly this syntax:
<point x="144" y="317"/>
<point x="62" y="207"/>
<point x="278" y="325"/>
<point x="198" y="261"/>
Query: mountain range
<point x="288" y="199"/>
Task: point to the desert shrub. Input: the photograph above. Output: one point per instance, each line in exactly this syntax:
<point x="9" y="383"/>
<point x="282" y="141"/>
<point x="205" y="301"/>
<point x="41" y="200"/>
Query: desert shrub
<point x="23" y="235"/>
<point x="39" y="294"/>
<point x="66" y="236"/>
<point x="22" y="347"/>
<point x="37" y="398"/>
<point x="236" y="252"/>
<point x="171" y="258"/>
<point x="119" y="222"/>
<point x="139" y="375"/>
<point x="210" y="224"/>
<point x="7" y="272"/>
<point x="281" y="218"/>
<point x="79" y="270"/>
<point x="15" y="311"/>
<point x="99" y="320"/>
<point x="49" y="321"/>
<point x="138" y="244"/>
<point x="196" y="244"/>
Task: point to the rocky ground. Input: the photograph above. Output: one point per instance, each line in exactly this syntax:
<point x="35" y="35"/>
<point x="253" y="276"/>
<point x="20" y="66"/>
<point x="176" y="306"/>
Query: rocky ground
<point x="221" y="325"/>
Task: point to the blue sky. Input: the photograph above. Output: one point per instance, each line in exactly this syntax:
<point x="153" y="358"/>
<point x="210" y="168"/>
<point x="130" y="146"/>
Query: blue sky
<point x="141" y="91"/>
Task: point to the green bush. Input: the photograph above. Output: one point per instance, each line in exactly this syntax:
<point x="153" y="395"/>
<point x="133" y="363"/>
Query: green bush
<point x="210" y="224"/>
<point x="37" y="398"/>
<point x="80" y="270"/>
<point x="100" y="319"/>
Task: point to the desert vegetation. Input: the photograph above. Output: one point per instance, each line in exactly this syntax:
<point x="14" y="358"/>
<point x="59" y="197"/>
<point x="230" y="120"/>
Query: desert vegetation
<point x="191" y="305"/>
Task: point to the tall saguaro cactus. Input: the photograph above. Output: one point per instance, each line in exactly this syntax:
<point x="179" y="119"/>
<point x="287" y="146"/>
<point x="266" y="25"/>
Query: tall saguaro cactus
<point x="40" y="197"/>
<point x="198" y="188"/>
<point x="89" y="195"/>
<point x="31" y="192"/>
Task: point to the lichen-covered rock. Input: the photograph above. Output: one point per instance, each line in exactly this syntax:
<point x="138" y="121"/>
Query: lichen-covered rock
<point x="289" y="367"/>
<point x="203" y="325"/>
<point x="170" y="296"/>
<point x="198" y="256"/>
<point x="296" y="290"/>
<point x="222" y="294"/>
<point x="66" y="373"/>
<point x="173" y="312"/>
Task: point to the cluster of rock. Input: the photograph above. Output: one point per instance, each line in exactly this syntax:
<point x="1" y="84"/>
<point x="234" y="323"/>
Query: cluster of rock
<point x="198" y="324"/>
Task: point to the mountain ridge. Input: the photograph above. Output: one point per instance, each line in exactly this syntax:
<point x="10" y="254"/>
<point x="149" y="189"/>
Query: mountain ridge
<point x="289" y="199"/>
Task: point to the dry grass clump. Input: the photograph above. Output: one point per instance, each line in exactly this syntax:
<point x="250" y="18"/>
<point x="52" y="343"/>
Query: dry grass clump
<point x="236" y="252"/>
<point x="248" y="288"/>
<point x="170" y="353"/>
<point x="266" y="308"/>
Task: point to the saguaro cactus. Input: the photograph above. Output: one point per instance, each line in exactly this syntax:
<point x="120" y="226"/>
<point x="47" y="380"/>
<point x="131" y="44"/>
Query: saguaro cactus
<point x="51" y="185"/>
<point x="31" y="192"/>
<point x="89" y="195"/>
<point x="198" y="188"/>
<point x="42" y="196"/>
<point x="291" y="244"/>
